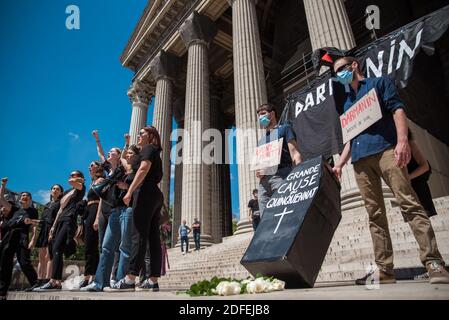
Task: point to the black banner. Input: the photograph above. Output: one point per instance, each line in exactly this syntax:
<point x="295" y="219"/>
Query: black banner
<point x="313" y="111"/>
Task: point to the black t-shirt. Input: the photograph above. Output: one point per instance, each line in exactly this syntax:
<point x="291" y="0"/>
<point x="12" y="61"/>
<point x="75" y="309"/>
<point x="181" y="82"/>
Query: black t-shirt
<point x="154" y="176"/>
<point x="16" y="221"/>
<point x="70" y="210"/>
<point x="196" y="227"/>
<point x="50" y="212"/>
<point x="253" y="204"/>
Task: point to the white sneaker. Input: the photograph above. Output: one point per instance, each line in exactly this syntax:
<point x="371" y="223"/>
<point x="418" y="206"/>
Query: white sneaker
<point x="92" y="287"/>
<point x="112" y="283"/>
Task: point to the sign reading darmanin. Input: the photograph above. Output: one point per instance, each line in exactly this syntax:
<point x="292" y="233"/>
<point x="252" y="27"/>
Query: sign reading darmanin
<point x="360" y="116"/>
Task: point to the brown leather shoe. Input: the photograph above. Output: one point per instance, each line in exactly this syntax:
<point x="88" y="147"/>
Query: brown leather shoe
<point x="437" y="273"/>
<point x="384" y="278"/>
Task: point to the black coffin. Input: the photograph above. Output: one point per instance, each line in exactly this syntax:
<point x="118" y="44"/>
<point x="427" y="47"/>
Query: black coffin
<point x="297" y="226"/>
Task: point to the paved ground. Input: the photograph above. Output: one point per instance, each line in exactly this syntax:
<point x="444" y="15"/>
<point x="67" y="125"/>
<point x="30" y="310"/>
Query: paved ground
<point x="408" y="290"/>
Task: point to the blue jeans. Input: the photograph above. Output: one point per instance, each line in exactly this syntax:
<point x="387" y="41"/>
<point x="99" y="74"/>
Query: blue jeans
<point x="185" y="240"/>
<point x="117" y="238"/>
<point x="255" y="223"/>
<point x="268" y="186"/>
<point x="197" y="237"/>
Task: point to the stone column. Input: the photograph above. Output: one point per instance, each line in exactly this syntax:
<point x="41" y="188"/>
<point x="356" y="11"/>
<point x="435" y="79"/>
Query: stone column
<point x="217" y="187"/>
<point x="250" y="92"/>
<point x="328" y="24"/>
<point x="226" y="216"/>
<point x="163" y="68"/>
<point x="140" y="95"/>
<point x="177" y="204"/>
<point x="196" y="32"/>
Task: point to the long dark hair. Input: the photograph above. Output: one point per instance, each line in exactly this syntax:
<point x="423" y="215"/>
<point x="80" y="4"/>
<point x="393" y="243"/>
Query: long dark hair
<point x="99" y="172"/>
<point x="155" y="138"/>
<point x="62" y="191"/>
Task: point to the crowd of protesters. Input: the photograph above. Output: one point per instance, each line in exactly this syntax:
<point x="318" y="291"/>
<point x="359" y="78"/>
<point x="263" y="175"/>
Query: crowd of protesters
<point x="115" y="222"/>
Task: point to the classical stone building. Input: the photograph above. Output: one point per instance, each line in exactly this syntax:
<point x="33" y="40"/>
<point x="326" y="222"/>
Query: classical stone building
<point x="216" y="61"/>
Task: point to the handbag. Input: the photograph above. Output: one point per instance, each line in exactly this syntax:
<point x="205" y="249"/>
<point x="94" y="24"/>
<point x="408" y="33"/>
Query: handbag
<point x="107" y="190"/>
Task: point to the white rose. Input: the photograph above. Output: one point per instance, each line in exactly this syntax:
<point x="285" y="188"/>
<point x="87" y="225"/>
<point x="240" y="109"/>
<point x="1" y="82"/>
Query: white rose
<point x="226" y="288"/>
<point x="261" y="285"/>
<point x="251" y="287"/>
<point x="220" y="287"/>
<point x="277" y="285"/>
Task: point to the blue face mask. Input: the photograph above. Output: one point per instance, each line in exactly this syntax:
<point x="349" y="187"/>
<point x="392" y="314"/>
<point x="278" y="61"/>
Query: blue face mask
<point x="264" y="120"/>
<point x="345" y="77"/>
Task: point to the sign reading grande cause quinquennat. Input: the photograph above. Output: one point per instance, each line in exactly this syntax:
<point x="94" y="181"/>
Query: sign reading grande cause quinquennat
<point x="360" y="116"/>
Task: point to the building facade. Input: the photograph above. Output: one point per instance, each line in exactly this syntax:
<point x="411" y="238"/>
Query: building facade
<point x="211" y="63"/>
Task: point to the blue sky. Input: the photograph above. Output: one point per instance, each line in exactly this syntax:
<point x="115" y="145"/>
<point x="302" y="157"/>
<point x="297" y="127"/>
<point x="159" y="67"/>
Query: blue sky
<point x="57" y="85"/>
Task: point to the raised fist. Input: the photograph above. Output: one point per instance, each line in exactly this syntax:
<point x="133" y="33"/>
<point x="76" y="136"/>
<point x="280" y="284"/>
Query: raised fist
<point x="95" y="134"/>
<point x="4" y="181"/>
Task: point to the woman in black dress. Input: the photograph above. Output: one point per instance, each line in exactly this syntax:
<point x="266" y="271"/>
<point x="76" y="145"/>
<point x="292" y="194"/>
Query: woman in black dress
<point x="147" y="200"/>
<point x="92" y="254"/>
<point x="46" y="222"/>
<point x="419" y="172"/>
<point x="63" y="230"/>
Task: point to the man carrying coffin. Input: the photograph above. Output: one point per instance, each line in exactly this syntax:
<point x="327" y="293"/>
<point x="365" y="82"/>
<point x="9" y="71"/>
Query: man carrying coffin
<point x="383" y="151"/>
<point x="271" y="179"/>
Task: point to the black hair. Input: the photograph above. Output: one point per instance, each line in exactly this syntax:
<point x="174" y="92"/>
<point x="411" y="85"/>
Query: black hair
<point x="134" y="148"/>
<point x="267" y="107"/>
<point x="99" y="172"/>
<point x="350" y="60"/>
<point x="255" y="191"/>
<point x="79" y="173"/>
<point x="28" y="193"/>
<point x="60" y="187"/>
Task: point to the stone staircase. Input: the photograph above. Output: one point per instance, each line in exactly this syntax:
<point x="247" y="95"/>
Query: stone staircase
<point x="348" y="257"/>
<point x="221" y="260"/>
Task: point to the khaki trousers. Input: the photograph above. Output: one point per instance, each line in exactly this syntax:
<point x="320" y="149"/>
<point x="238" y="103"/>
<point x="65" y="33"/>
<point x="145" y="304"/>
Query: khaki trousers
<point x="368" y="172"/>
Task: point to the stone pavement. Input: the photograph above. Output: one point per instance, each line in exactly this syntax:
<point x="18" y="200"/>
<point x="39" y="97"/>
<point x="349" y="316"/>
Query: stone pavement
<point x="403" y="290"/>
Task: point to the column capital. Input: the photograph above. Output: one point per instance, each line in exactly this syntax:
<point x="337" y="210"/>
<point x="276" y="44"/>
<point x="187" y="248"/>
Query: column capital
<point x="197" y="28"/>
<point x="140" y="92"/>
<point x="164" y="65"/>
<point x="231" y="2"/>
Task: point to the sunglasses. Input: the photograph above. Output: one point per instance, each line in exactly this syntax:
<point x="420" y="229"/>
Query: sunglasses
<point x="74" y="175"/>
<point x="345" y="66"/>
